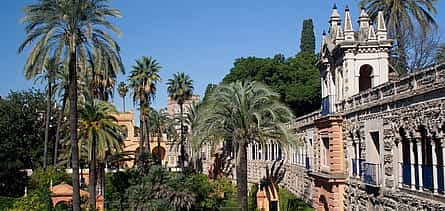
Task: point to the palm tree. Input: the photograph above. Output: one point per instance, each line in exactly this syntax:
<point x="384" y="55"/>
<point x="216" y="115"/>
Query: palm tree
<point x="143" y="80"/>
<point x="192" y="120"/>
<point x="122" y="89"/>
<point x="70" y="31"/>
<point x="47" y="76"/>
<point x="160" y="124"/>
<point x="245" y="113"/>
<point x="402" y="17"/>
<point x="61" y="86"/>
<point x="180" y="89"/>
<point x="101" y="134"/>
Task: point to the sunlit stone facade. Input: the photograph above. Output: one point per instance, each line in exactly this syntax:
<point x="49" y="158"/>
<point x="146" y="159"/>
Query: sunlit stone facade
<point x="376" y="143"/>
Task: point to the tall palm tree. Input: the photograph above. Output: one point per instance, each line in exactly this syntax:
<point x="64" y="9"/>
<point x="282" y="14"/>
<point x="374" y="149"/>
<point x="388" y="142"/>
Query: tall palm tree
<point x="402" y="17"/>
<point x="70" y="31"/>
<point x="143" y="80"/>
<point x="99" y="131"/>
<point x="180" y="89"/>
<point x="245" y="113"/>
<point x="46" y="76"/>
<point x="122" y="89"/>
<point x="61" y="86"/>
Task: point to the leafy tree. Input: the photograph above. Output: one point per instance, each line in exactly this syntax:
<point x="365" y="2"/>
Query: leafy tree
<point x="143" y="80"/>
<point x="22" y="131"/>
<point x="72" y="31"/>
<point x="402" y="17"/>
<point x="307" y="43"/>
<point x="180" y="89"/>
<point x="116" y="197"/>
<point x="122" y="89"/>
<point x="99" y="131"/>
<point x="296" y="79"/>
<point x="245" y="112"/>
<point x="42" y="178"/>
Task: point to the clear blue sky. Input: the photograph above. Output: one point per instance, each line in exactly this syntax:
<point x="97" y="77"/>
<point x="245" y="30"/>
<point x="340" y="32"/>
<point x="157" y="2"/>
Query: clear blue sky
<point x="199" y="37"/>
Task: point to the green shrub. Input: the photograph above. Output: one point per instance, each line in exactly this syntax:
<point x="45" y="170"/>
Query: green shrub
<point x="37" y="200"/>
<point x="252" y="196"/>
<point x="286" y="196"/>
<point x="6" y="202"/>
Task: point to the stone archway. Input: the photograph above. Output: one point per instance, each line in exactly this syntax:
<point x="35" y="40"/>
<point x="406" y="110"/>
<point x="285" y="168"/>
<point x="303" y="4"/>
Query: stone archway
<point x="323" y="202"/>
<point x="161" y="150"/>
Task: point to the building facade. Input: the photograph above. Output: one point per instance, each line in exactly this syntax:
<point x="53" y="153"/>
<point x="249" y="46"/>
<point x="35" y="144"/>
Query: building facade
<point x="173" y="110"/>
<point x="377" y="143"/>
<point x="132" y="141"/>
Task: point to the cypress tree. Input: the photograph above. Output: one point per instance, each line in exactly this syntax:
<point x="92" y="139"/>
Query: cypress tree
<point x="307" y="42"/>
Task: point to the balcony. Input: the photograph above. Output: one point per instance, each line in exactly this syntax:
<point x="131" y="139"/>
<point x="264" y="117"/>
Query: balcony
<point x="372" y="174"/>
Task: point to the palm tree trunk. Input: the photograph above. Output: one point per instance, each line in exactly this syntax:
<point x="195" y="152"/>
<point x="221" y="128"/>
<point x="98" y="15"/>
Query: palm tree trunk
<point x="92" y="175"/>
<point x="241" y="176"/>
<point x="147" y="139"/>
<point x="73" y="129"/>
<point x="48" y="117"/>
<point x="182" y="156"/>
<point x="141" y="127"/>
<point x="59" y="125"/>
<point x="123" y="102"/>
<point x="159" y="147"/>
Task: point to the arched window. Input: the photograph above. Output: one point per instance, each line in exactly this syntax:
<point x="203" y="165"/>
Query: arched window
<point x="365" y="79"/>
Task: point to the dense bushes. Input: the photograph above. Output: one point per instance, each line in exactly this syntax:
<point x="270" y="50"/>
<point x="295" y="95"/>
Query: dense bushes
<point x="163" y="190"/>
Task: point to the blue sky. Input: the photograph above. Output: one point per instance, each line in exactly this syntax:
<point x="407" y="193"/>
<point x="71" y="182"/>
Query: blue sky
<point x="199" y="37"/>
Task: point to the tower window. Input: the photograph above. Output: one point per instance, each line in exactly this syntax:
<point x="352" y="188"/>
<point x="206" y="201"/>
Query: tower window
<point x="365" y="79"/>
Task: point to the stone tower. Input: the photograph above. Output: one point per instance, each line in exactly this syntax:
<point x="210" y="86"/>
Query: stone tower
<point x="352" y="60"/>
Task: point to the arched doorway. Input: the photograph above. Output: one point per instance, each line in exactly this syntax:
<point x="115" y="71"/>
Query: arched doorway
<point x="160" y="150"/>
<point x="365" y="78"/>
<point x="323" y="203"/>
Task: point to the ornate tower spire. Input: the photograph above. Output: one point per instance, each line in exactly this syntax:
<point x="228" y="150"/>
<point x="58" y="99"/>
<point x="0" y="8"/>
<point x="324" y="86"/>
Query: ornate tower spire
<point x="334" y="21"/>
<point x="382" y="32"/>
<point x="339" y="35"/>
<point x="363" y="21"/>
<point x="348" y="29"/>
<point x="371" y="33"/>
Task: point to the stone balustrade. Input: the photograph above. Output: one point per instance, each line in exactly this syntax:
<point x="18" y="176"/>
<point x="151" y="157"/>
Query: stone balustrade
<point x="423" y="81"/>
<point x="304" y="121"/>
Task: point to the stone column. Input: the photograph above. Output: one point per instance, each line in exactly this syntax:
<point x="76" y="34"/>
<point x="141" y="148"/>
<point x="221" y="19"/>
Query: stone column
<point x="301" y="155"/>
<point x="357" y="158"/>
<point x="435" y="175"/>
<point x="419" y="158"/>
<point x="400" y="156"/>
<point x="443" y="155"/>
<point x="413" y="166"/>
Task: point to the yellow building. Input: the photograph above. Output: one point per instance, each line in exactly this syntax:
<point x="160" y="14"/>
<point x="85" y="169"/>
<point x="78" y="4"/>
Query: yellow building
<point x="132" y="140"/>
